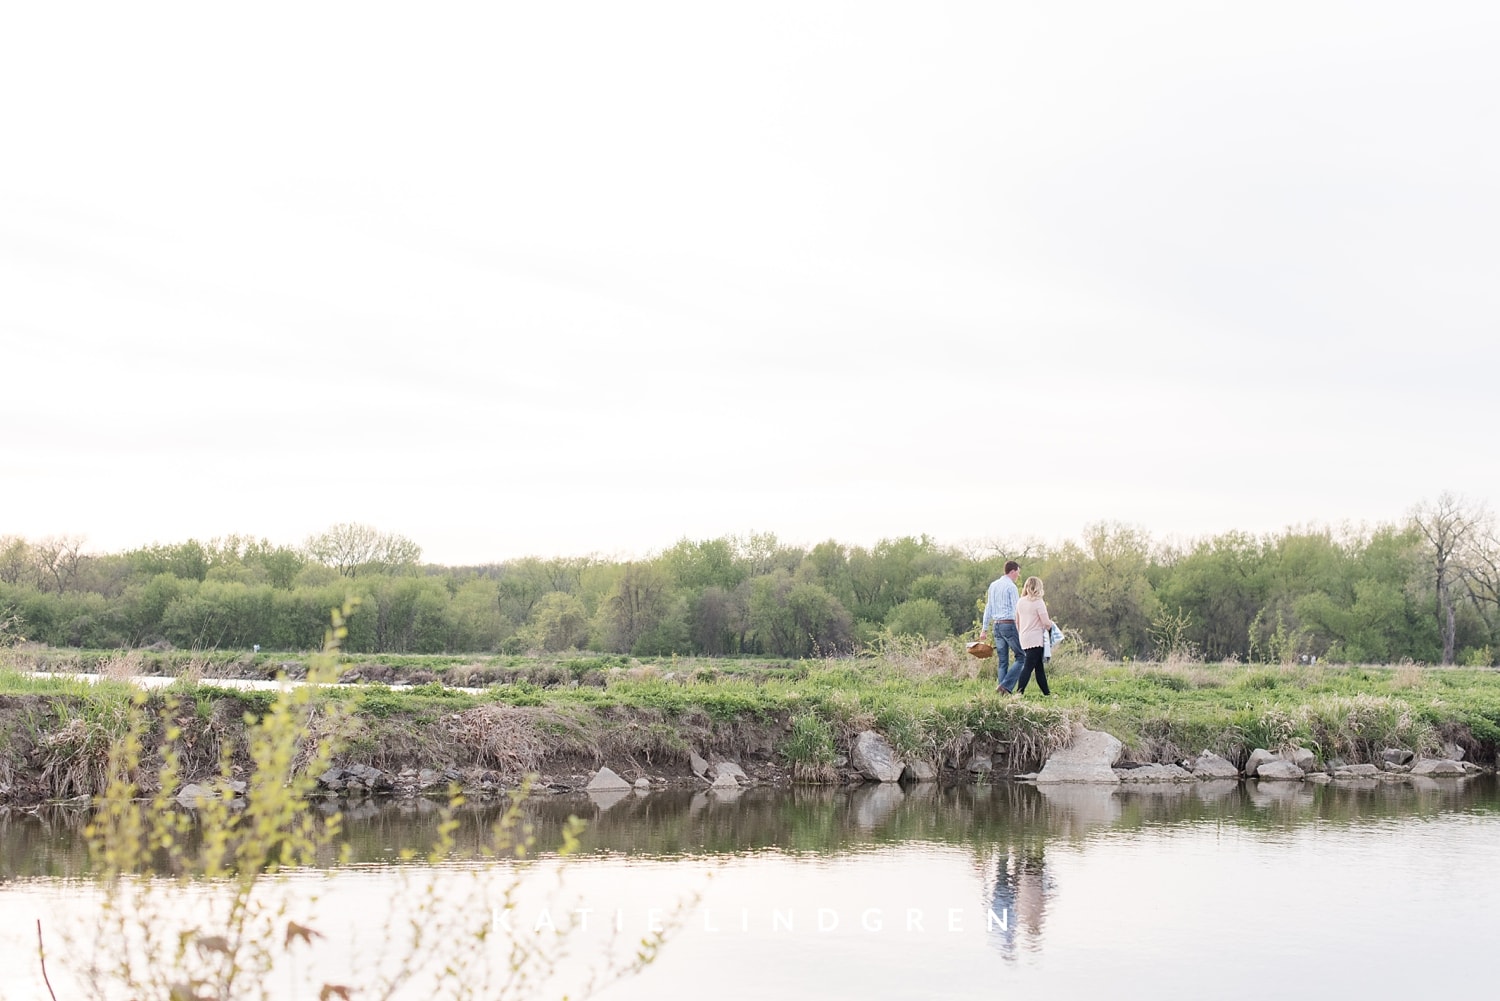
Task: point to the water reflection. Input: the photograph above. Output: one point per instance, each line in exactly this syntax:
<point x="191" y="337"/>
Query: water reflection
<point x="1005" y="821"/>
<point x="1021" y="886"/>
<point x="812" y="892"/>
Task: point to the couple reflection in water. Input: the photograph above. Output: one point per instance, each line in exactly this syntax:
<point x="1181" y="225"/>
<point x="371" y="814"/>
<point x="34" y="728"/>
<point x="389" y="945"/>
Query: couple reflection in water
<point x="1018" y="898"/>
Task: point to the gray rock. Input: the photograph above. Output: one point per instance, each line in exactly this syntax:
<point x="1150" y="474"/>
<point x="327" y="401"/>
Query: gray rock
<point x="1334" y="764"/>
<point x="729" y="768"/>
<point x="980" y="763"/>
<point x="724" y="782"/>
<point x="700" y="766"/>
<point x="920" y="771"/>
<point x="193" y="795"/>
<point x="642" y="783"/>
<point x="1397" y="755"/>
<point x="1258" y="757"/>
<point x="1208" y="765"/>
<point x="427" y="778"/>
<point x="1452" y="752"/>
<point x="1392" y="768"/>
<point x="1155" y="773"/>
<point x="875" y="759"/>
<point x="1437" y="768"/>
<point x="1319" y="778"/>
<point x="1470" y="768"/>
<point x="1090" y="757"/>
<point x="1280" y="771"/>
<point x="1356" y="772"/>
<point x="606" y="780"/>
<point x="1301" y="757"/>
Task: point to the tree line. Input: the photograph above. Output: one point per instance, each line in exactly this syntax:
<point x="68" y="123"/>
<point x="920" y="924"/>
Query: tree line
<point x="1426" y="589"/>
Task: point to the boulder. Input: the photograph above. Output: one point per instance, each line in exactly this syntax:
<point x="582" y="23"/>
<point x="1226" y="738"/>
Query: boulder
<point x="724" y="783"/>
<point x="920" y="771"/>
<point x="1319" y="778"/>
<point x="606" y="780"/>
<point x="1452" y="752"/>
<point x="1437" y="768"/>
<point x="193" y="795"/>
<point x="1209" y="765"/>
<point x="642" y="784"/>
<point x="731" y="769"/>
<point x="980" y="763"/>
<point x="1280" y="771"/>
<point x="700" y="766"/>
<point x="1356" y="772"/>
<point x="1397" y="755"/>
<point x="1154" y="773"/>
<point x="1258" y="757"/>
<point x="1392" y="768"/>
<point x="875" y="759"/>
<point x="1301" y="757"/>
<point x="1089" y="757"/>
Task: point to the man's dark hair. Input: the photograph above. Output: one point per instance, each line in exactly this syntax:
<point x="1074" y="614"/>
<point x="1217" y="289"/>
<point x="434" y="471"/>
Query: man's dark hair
<point x="1011" y="565"/>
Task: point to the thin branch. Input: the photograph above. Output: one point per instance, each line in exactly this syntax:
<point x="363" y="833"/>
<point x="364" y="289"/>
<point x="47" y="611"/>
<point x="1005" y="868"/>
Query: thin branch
<point x="42" y="955"/>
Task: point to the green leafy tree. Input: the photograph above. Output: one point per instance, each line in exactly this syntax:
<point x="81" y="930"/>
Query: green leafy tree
<point x="921" y="617"/>
<point x="638" y="604"/>
<point x="792" y="619"/>
<point x="559" y="622"/>
<point x="1102" y="589"/>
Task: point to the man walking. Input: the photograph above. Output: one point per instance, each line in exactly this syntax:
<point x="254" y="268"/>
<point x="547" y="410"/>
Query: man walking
<point x="1000" y="609"/>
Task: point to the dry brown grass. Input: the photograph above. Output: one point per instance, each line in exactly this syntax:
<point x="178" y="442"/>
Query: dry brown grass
<point x="122" y="666"/>
<point x="505" y="738"/>
<point x="914" y="657"/>
<point x="804" y="773"/>
<point x="1409" y="675"/>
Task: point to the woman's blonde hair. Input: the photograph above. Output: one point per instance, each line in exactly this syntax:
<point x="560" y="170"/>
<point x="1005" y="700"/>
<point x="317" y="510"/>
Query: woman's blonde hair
<point x="1033" y="588"/>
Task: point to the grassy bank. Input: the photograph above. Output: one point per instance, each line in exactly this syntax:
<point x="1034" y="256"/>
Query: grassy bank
<point x="785" y="720"/>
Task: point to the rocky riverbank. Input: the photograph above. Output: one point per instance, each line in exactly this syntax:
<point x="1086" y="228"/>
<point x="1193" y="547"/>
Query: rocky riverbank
<point x="421" y="743"/>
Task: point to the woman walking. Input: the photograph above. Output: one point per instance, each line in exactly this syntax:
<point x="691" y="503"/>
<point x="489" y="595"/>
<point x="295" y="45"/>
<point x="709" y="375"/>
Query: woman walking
<point x="1033" y="623"/>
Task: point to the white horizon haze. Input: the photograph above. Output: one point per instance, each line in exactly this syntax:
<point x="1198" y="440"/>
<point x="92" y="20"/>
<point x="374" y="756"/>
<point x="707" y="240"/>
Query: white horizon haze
<point x="555" y="280"/>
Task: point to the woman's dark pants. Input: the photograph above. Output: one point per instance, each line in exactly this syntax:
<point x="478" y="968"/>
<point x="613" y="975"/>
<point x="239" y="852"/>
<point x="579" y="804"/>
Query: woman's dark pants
<point x="1034" y="664"/>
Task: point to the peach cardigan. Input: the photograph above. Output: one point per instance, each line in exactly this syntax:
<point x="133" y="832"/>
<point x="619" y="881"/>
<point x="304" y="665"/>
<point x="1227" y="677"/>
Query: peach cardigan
<point x="1032" y="622"/>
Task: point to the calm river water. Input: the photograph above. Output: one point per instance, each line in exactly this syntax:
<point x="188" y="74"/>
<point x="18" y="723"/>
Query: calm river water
<point x="1224" y="890"/>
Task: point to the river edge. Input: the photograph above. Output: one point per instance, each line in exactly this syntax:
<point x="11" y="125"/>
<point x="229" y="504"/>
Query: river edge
<point x="56" y="748"/>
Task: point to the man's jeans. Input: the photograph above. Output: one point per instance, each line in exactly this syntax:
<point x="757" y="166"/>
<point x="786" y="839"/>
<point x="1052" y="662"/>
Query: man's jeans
<point x="1007" y="642"/>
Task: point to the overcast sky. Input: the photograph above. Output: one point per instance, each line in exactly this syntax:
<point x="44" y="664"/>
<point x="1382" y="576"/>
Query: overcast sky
<point x="578" y="278"/>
